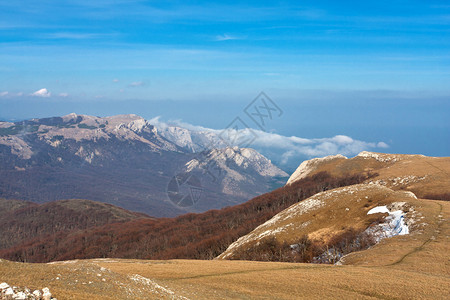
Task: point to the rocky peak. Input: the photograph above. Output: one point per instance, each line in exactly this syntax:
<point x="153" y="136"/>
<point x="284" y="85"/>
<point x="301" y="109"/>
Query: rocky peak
<point x="232" y="157"/>
<point x="309" y="166"/>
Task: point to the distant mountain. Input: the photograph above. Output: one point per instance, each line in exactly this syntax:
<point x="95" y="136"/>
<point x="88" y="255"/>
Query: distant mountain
<point x="123" y="160"/>
<point x="191" y="140"/>
<point x="236" y="171"/>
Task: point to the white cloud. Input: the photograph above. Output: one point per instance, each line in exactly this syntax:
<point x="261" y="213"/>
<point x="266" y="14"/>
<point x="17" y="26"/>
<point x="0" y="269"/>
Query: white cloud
<point x="382" y="145"/>
<point x="289" y="149"/>
<point x="8" y="94"/>
<point x="136" y="83"/>
<point x="225" y="37"/>
<point x="115" y="80"/>
<point x="63" y="95"/>
<point x="42" y="93"/>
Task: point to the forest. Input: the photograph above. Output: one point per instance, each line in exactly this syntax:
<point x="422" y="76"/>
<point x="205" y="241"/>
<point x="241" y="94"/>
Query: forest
<point x="190" y="236"/>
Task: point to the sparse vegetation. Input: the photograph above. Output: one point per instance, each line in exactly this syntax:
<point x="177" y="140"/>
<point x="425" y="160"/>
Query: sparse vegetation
<point x="58" y="138"/>
<point x="65" y="126"/>
<point x="307" y="250"/>
<point x="16" y="129"/>
<point x="85" y="126"/>
<point x="22" y="221"/>
<point x="197" y="236"/>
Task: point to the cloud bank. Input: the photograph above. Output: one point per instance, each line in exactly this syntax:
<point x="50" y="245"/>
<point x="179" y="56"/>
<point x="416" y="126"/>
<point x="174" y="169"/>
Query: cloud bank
<point x="286" y="150"/>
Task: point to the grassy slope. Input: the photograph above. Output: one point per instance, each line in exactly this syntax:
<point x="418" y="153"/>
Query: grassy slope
<point x="436" y="170"/>
<point x="346" y="208"/>
<point x="342" y="209"/>
<point x="399" y="268"/>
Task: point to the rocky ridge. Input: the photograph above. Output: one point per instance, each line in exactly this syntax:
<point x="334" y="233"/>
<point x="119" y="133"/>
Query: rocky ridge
<point x="126" y="161"/>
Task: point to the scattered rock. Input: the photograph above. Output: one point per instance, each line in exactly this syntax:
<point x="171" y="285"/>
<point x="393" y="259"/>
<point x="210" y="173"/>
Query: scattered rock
<point x="15" y="293"/>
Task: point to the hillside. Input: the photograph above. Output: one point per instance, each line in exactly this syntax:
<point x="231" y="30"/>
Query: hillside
<point x="200" y="236"/>
<point x="406" y="258"/>
<point x="419" y="174"/>
<point x="207" y="235"/>
<point x="400" y="268"/>
<point x="332" y="224"/>
<point x="124" y="160"/>
<point x="22" y="221"/>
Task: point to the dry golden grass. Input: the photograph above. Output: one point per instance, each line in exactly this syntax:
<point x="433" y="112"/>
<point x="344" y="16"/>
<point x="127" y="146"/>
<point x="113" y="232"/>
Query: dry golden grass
<point x="436" y="171"/>
<point x="331" y="213"/>
<point x="406" y="267"/>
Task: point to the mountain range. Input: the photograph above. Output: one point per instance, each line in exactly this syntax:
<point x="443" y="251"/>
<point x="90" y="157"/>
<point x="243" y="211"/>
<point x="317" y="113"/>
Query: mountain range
<point x="126" y="161"/>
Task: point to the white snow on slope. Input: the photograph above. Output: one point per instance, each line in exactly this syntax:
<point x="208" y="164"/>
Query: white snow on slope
<point x="394" y="223"/>
<point x="378" y="209"/>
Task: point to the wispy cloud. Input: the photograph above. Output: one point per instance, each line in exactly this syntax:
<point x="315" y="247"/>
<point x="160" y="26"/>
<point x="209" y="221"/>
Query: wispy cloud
<point x="3" y="94"/>
<point x="136" y="84"/>
<point x="74" y="35"/>
<point x="44" y="93"/>
<point x="115" y="80"/>
<point x="226" y="37"/>
<point x="64" y="95"/>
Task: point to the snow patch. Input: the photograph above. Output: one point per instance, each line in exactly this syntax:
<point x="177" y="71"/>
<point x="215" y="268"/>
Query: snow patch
<point x="378" y="210"/>
<point x="393" y="225"/>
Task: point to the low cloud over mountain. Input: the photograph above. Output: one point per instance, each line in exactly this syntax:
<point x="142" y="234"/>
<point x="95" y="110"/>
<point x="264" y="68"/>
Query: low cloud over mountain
<point x="284" y="150"/>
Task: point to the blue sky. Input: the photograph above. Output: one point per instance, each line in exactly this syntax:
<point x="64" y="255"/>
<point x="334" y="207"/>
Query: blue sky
<point x="143" y="56"/>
